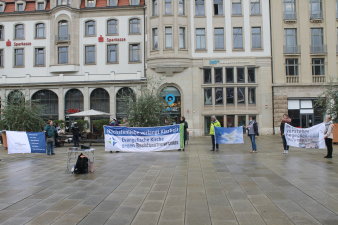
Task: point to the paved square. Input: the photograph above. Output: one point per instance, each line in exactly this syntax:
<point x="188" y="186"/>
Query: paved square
<point x="195" y="187"/>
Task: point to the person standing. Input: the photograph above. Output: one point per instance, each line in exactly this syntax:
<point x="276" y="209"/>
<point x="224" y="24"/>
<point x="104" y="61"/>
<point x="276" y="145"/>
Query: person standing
<point x="50" y="137"/>
<point x="76" y="134"/>
<point x="328" y="135"/>
<point x="186" y="134"/>
<point x="252" y="133"/>
<point x="214" y="123"/>
<point x="285" y="119"/>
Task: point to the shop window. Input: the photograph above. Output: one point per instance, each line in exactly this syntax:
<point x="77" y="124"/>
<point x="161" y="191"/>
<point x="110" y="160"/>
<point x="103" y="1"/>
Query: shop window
<point x="123" y="97"/>
<point x="49" y="103"/>
<point x="241" y="121"/>
<point x="230" y="120"/>
<point x="99" y="100"/>
<point x="73" y="101"/>
<point x="207" y="122"/>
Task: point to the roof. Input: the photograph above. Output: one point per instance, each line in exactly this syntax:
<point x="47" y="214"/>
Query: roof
<point x="103" y="3"/>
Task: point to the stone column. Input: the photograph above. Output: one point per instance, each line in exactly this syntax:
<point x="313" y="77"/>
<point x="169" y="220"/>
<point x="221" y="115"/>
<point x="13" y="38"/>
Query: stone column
<point x="61" y="102"/>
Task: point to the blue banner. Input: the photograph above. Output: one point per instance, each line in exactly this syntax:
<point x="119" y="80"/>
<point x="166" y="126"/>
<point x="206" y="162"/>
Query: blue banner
<point x="26" y="142"/>
<point x="229" y="135"/>
<point x="37" y="142"/>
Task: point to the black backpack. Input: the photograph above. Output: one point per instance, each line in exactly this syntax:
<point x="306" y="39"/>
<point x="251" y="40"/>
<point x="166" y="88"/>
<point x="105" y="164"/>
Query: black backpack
<point x="81" y="165"/>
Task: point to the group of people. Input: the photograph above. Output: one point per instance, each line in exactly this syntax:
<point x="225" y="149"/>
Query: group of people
<point x="252" y="129"/>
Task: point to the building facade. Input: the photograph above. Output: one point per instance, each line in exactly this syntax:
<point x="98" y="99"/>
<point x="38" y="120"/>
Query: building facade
<point x="212" y="58"/>
<point x="304" y="49"/>
<point x="72" y="55"/>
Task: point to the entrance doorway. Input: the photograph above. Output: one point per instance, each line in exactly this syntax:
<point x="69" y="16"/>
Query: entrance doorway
<point x="306" y="120"/>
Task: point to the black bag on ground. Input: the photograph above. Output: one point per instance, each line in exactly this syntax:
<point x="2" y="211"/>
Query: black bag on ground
<point x="85" y="147"/>
<point x="81" y="165"/>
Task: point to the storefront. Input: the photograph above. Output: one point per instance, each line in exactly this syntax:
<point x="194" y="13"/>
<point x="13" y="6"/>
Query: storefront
<point x="304" y="112"/>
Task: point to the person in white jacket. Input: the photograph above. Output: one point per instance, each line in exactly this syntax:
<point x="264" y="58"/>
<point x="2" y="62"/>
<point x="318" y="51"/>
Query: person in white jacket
<point x="328" y="135"/>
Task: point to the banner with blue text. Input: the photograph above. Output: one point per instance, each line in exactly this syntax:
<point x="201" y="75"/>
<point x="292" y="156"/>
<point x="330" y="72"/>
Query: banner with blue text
<point x="229" y="135"/>
<point x="26" y="142"/>
<point x="142" y="139"/>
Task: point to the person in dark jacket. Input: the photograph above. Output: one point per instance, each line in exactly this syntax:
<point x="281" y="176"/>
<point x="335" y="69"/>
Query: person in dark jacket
<point x="76" y="134"/>
<point x="50" y="137"/>
<point x="252" y="133"/>
<point x="285" y="119"/>
<point x="186" y="134"/>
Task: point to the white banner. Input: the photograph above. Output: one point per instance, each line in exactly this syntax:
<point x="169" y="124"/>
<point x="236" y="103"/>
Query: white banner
<point x="312" y="137"/>
<point x="17" y="142"/>
<point x="145" y="139"/>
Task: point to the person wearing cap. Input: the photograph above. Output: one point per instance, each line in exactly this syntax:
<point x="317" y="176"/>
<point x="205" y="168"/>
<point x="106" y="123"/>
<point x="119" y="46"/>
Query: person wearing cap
<point x="114" y="122"/>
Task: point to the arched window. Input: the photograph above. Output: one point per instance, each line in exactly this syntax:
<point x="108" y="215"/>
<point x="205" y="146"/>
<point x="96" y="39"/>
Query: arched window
<point x="19" y="31"/>
<point x="99" y="100"/>
<point x="15" y="97"/>
<point x="123" y="97"/>
<point x="2" y="32"/>
<point x="90" y="28"/>
<point x="112" y="27"/>
<point x="40" y="30"/>
<point x="63" y="34"/>
<point x="49" y="103"/>
<point x="73" y="101"/>
<point x="134" y="26"/>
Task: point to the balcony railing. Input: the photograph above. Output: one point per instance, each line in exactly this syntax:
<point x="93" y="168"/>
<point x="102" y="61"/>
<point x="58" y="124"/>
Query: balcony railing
<point x="62" y="38"/>
<point x="292" y="79"/>
<point x="291" y="49"/>
<point x="316" y="16"/>
<point x="318" y="49"/>
<point x="290" y="16"/>
<point x="318" y="78"/>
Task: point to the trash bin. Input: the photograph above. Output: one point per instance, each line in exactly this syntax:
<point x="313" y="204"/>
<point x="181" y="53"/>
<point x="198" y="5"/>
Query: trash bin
<point x="4" y="139"/>
<point x="335" y="133"/>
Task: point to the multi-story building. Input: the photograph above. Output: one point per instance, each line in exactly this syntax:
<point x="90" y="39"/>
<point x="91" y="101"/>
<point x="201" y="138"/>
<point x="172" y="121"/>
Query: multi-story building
<point x="72" y="55"/>
<point x="304" y="50"/>
<point x="213" y="57"/>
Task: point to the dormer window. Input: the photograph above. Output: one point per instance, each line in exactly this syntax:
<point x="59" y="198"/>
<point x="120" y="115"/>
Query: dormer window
<point x="40" y="5"/>
<point x="134" y="2"/>
<point x="112" y="2"/>
<point x="2" y="7"/>
<point x="91" y="3"/>
<point x="64" y="2"/>
<point x="20" y="7"/>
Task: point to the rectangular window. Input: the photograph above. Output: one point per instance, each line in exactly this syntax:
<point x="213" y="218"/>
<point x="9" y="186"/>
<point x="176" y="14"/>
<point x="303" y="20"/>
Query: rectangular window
<point x="256" y="38"/>
<point x="240" y="75"/>
<point x="2" y="32"/>
<point x="181" y="7"/>
<point x="230" y="95"/>
<point x="219" y="96"/>
<point x="317" y="40"/>
<point x="112" y="53"/>
<point x="19" y="57"/>
<point x="207" y="96"/>
<point x="168" y="37"/>
<point x="218" y="75"/>
<point x="90" y="3"/>
<point x="238" y="38"/>
<point x="318" y="66"/>
<point x="200" y="39"/>
<point x="155" y="7"/>
<point x="41" y="6"/>
<point x="241" y="121"/>
<point x="229" y="75"/>
<point x="90" y="28"/>
<point x="134" y="53"/>
<point x="155" y="39"/>
<point x="219" y="38"/>
<point x="251" y="75"/>
<point x="40" y="57"/>
<point x="240" y="95"/>
<point x="218" y="7"/>
<point x="20" y="7"/>
<point x="63" y="2"/>
<point x="252" y="95"/>
<point x="90" y="57"/>
<point x="112" y="2"/>
<point x="134" y="2"/>
<point x="63" y="55"/>
<point x="316" y="9"/>
<point x="1" y="7"/>
<point x="290" y="9"/>
<point x="255" y="7"/>
<point x="236" y="8"/>
<point x="199" y="8"/>
<point x="182" y="38"/>
<point x="207" y="75"/>
<point x="230" y="120"/>
<point x="1" y="58"/>
<point x="168" y="10"/>
<point x="291" y="67"/>
<point x="290" y="38"/>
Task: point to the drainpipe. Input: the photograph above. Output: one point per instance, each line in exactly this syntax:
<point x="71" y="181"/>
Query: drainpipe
<point x="144" y="40"/>
<point x="272" y="80"/>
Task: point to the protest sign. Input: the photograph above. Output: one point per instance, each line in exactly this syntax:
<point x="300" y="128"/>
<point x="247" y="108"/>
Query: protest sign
<point x="142" y="139"/>
<point x="312" y="137"/>
<point x="229" y="135"/>
<point x="26" y="142"/>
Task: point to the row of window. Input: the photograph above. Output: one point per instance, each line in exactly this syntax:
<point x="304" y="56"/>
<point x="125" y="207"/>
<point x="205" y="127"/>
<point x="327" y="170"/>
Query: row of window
<point x="112" y="55"/>
<point x="218" y="7"/>
<point x="20" y="6"/>
<point x="216" y="96"/>
<point x="92" y="3"/>
<point x="229" y="75"/>
<point x="292" y="66"/>
<point x="200" y="38"/>
<point x="63" y="29"/>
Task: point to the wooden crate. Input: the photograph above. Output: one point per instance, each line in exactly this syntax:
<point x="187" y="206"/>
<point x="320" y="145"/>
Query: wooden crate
<point x="335" y="133"/>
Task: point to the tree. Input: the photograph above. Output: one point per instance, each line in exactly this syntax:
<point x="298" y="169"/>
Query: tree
<point x="19" y="114"/>
<point x="328" y="101"/>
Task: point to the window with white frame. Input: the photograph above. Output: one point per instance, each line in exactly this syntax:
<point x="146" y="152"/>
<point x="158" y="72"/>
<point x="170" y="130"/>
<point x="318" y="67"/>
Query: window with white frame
<point x="134" y="2"/>
<point x="236" y="7"/>
<point x="40" y="30"/>
<point x="2" y="7"/>
<point x="112" y="53"/>
<point x="316" y="9"/>
<point x="64" y="2"/>
<point x="168" y="7"/>
<point x="256" y="37"/>
<point x="219" y="38"/>
<point x="290" y="40"/>
<point x="63" y="55"/>
<point x="2" y="32"/>
<point x="200" y="39"/>
<point x="181" y="7"/>
<point x="168" y="37"/>
<point x="91" y="3"/>
<point x="19" y="31"/>
<point x="134" y="26"/>
<point x="238" y="38"/>
<point x="112" y="28"/>
<point x="289" y="9"/>
<point x="1" y="58"/>
<point x="39" y="59"/>
<point x="155" y="7"/>
<point x="19" y="55"/>
<point x="199" y="8"/>
<point x="255" y="7"/>
<point x="90" y="28"/>
<point x="218" y="7"/>
<point x="291" y="67"/>
<point x="63" y="33"/>
<point x="40" y="6"/>
<point x="90" y="54"/>
<point x="135" y="52"/>
<point x="318" y="66"/>
<point x="20" y="7"/>
<point x="317" y="40"/>
<point x="155" y="39"/>
<point x="112" y="2"/>
<point x="182" y="44"/>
